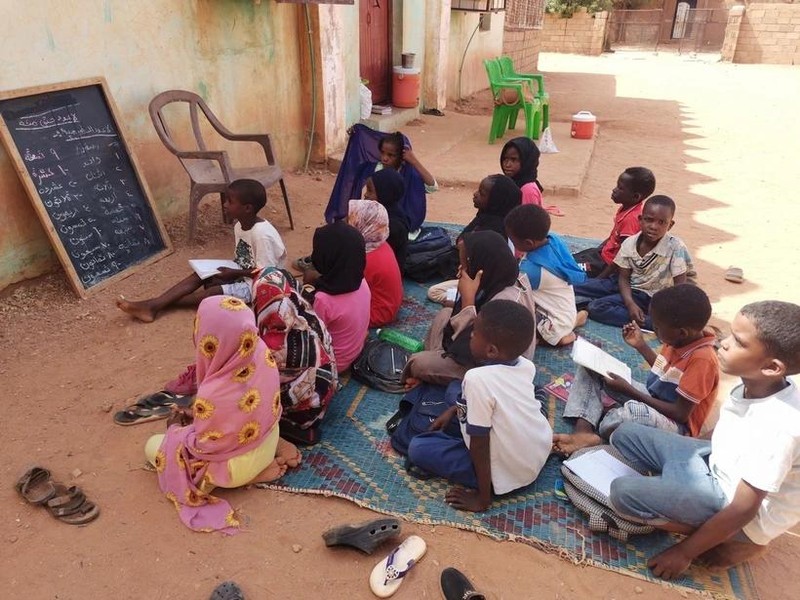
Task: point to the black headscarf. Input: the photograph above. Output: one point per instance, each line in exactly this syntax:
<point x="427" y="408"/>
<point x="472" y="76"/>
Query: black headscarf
<point x="339" y="254"/>
<point x="486" y="251"/>
<point x="390" y="188"/>
<point x="503" y="196"/>
<point x="528" y="159"/>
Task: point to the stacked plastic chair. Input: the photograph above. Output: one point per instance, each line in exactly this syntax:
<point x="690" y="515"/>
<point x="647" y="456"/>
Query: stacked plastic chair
<point x="505" y="112"/>
<point x="508" y="72"/>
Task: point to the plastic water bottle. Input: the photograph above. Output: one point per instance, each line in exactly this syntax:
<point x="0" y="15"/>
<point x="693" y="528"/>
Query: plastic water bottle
<point x="401" y="339"/>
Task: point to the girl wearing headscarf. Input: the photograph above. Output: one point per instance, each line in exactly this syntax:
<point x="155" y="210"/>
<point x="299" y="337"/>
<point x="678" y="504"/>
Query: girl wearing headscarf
<point x="387" y="188"/>
<point x="495" y="197"/>
<point x="519" y="160"/>
<point x="341" y="296"/>
<point x="382" y="272"/>
<point x="302" y="348"/>
<point x="231" y="438"/>
<point x="488" y="271"/>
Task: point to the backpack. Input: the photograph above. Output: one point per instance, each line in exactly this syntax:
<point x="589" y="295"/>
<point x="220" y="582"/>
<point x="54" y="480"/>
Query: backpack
<point x="429" y="238"/>
<point x="595" y="504"/>
<point x="424" y="266"/>
<point x="418" y="409"/>
<point x="380" y="366"/>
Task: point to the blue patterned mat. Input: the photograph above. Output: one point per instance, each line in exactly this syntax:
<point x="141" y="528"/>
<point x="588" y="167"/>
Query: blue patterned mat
<point x="355" y="461"/>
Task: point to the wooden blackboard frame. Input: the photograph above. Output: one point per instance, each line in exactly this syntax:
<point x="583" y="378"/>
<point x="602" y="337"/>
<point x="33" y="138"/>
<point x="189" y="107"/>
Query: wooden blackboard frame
<point x="37" y="202"/>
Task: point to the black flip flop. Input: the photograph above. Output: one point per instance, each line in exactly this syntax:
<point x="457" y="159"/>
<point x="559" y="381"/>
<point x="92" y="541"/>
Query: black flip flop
<point x="227" y="590"/>
<point x="456" y="586"/>
<point x="141" y="414"/>
<point x="365" y="537"/>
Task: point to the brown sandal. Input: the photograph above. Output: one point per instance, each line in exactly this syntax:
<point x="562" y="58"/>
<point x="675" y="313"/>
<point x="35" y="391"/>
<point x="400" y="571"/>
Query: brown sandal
<point x="36" y="485"/>
<point x="85" y="513"/>
<point x="66" y="500"/>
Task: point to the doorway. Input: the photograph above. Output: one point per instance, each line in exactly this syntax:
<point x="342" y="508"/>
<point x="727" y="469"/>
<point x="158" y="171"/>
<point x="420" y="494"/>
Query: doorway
<point x="375" y="47"/>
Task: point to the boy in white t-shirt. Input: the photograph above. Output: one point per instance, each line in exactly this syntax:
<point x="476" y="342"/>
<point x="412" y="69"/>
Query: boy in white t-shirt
<point x="551" y="270"/>
<point x="505" y="439"/>
<point x="732" y="495"/>
<point x="258" y="245"/>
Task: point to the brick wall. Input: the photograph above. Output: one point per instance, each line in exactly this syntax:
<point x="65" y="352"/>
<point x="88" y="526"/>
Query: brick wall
<point x="769" y="33"/>
<point x="581" y="34"/>
<point x="522" y="45"/>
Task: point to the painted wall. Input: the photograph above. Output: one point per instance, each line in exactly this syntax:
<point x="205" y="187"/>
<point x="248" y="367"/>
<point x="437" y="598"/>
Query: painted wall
<point x="485" y="44"/>
<point x="231" y="52"/>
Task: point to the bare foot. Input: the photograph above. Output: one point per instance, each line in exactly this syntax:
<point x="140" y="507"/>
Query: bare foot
<point x="567" y="443"/>
<point x="138" y="310"/>
<point x="275" y="470"/>
<point x="567" y="339"/>
<point x="287" y="453"/>
<point x="411" y="382"/>
<point x="580" y="320"/>
<point x="729" y="554"/>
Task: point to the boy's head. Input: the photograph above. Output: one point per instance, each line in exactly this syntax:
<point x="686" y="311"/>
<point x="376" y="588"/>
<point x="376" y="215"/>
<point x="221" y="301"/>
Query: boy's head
<point x="244" y="198"/>
<point x="391" y="149"/>
<point x="502" y="331"/>
<point x="657" y="218"/>
<point x="679" y="314"/>
<point x="764" y="342"/>
<point x="527" y="227"/>
<point x="633" y="185"/>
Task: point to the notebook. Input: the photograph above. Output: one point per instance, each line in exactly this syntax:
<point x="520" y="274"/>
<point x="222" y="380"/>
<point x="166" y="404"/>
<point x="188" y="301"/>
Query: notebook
<point x="208" y="267"/>
<point x="595" y="359"/>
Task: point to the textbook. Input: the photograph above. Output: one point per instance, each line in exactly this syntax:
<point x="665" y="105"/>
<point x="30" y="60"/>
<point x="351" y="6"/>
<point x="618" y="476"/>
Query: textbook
<point x="208" y="267"/>
<point x="593" y="358"/>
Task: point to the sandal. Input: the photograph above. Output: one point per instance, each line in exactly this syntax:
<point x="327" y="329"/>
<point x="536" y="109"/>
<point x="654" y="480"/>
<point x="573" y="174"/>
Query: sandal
<point x="141" y="414"/>
<point x="366" y="537"/>
<point x="388" y="574"/>
<point x="734" y="275"/>
<point x="66" y="498"/>
<point x="456" y="586"/>
<point x="85" y="513"/>
<point x="36" y="485"/>
<point x="227" y="590"/>
<point x="304" y="263"/>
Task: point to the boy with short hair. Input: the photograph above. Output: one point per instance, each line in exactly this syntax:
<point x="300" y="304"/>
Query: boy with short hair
<point x="647" y="262"/>
<point x="732" y="495"/>
<point x="257" y="245"/>
<point x="551" y="271"/>
<point x="505" y="439"/>
<point x="634" y="186"/>
<point x="681" y="386"/>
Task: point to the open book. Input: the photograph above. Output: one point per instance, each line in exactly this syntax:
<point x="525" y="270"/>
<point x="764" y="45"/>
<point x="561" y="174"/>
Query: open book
<point x="208" y="267"/>
<point x="593" y="358"/>
<point x="599" y="469"/>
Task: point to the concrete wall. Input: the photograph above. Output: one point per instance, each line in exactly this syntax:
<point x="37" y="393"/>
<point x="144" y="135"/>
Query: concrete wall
<point x="581" y="34"/>
<point x="769" y="33"/>
<point x="523" y="46"/>
<point x="231" y="52"/>
<point x="485" y="44"/>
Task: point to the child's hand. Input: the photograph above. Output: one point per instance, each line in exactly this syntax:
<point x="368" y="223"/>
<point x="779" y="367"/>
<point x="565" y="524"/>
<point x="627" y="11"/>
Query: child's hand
<point x="632" y="334"/>
<point x="615" y="383"/>
<point x="468" y="287"/>
<point x="410" y="157"/>
<point x="636" y="313"/>
<point x="227" y="274"/>
<point x="180" y="416"/>
<point x="670" y="563"/>
<point x="464" y="499"/>
<point x="443" y="419"/>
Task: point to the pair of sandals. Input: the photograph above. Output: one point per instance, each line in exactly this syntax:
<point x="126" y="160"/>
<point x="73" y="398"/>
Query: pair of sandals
<point x="388" y="574"/>
<point x="67" y="504"/>
<point x="151" y="408"/>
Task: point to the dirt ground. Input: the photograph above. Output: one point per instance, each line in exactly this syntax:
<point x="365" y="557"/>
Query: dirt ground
<point x="721" y="142"/>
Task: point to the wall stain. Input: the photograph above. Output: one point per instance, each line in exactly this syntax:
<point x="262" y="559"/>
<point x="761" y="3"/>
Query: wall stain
<point x="108" y="14"/>
<point x="51" y="43"/>
<point x="202" y="89"/>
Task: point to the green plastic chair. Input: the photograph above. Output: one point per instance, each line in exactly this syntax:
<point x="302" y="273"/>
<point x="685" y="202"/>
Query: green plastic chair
<point x="507" y="71"/>
<point x="504" y="115"/>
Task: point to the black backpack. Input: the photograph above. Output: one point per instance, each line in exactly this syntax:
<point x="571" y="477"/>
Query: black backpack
<point x="380" y="366"/>
<point x="418" y="409"/>
<point x="438" y="264"/>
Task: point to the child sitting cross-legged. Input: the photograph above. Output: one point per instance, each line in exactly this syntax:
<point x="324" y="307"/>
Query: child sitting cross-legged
<point x="681" y="387"/>
<point x="551" y="271"/>
<point x="505" y="439"/>
<point x="735" y="493"/>
<point x="649" y="261"/>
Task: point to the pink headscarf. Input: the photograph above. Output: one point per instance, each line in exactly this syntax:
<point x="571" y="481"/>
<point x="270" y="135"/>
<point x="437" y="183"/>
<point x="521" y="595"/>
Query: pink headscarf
<point x="371" y="220"/>
<point x="238" y="404"/>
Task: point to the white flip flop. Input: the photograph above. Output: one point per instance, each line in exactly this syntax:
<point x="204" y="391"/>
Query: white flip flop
<point x="388" y="574"/>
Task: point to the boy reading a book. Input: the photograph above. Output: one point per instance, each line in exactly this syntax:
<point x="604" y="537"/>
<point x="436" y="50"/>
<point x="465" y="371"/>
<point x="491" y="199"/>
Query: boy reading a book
<point x="733" y="494"/>
<point x="681" y="387"/>
<point x="505" y="439"/>
<point x="258" y="245"/>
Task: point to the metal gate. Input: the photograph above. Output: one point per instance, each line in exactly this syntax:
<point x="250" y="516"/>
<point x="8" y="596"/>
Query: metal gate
<point x="634" y="29"/>
<point x="687" y="30"/>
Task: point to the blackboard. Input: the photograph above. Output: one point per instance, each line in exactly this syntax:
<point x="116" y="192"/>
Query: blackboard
<point x="69" y="149"/>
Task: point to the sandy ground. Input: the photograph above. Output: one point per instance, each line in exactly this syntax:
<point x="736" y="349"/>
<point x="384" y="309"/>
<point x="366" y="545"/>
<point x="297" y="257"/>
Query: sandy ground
<point x="721" y="143"/>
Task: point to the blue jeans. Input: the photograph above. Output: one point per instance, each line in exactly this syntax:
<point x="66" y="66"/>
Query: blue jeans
<point x="682" y="489"/>
<point x="606" y="304"/>
<point x="443" y="455"/>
